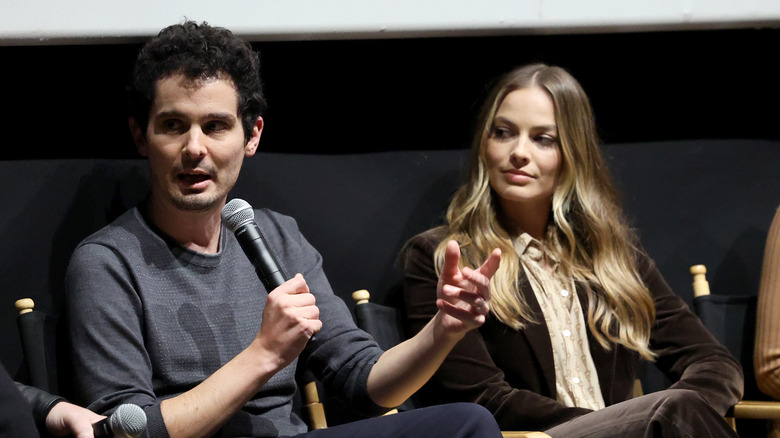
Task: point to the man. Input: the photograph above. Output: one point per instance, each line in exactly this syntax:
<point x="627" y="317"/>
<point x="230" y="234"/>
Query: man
<point x="167" y="313"/>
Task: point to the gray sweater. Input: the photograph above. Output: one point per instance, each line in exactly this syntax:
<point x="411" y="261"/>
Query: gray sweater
<point x="150" y="319"/>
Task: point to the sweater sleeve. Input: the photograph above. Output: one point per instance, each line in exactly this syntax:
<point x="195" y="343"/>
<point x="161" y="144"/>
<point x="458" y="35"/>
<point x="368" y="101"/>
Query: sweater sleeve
<point x="767" y="348"/>
<point x="469" y="373"/>
<point x="687" y="353"/>
<point x="340" y="355"/>
<point x="111" y="365"/>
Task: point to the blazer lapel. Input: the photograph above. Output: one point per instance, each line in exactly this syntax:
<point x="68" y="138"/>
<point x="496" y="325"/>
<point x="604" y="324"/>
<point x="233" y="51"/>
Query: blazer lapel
<point x="539" y="337"/>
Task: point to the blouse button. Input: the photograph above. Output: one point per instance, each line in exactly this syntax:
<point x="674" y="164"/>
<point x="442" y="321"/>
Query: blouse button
<point x="564" y="293"/>
<point x="576" y="380"/>
<point x="566" y="333"/>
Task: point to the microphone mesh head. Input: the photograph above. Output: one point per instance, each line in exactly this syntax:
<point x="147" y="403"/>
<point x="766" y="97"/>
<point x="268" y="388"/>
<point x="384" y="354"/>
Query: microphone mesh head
<point x="236" y="213"/>
<point x="128" y="421"/>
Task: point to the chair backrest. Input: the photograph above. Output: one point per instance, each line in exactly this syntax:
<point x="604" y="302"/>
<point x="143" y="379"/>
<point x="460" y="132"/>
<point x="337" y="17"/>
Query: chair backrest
<point x="732" y="320"/>
<point x="36" y="331"/>
<point x="385" y="324"/>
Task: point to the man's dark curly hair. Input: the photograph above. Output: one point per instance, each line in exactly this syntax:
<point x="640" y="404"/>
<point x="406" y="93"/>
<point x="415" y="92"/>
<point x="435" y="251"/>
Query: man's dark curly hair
<point x="199" y="52"/>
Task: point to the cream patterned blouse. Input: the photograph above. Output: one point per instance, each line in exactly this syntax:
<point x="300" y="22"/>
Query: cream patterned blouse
<point x="576" y="379"/>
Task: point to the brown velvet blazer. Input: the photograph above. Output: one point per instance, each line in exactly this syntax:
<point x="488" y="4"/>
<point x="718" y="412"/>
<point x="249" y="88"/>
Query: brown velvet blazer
<point x="511" y="372"/>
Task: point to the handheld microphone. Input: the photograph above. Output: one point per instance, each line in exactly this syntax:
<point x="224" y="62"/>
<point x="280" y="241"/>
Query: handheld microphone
<point x="238" y="217"/>
<point x="127" y="421"/>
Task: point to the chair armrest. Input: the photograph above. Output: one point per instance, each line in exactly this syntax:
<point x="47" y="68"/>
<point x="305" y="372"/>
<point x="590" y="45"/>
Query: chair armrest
<point x="760" y="410"/>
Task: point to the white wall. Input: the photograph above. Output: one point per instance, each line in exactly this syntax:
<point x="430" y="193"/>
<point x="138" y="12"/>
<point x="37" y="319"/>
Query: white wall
<point x="110" y="21"/>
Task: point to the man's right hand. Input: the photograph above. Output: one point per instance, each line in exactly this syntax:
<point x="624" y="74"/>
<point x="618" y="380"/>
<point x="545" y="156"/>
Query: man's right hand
<point x="290" y="319"/>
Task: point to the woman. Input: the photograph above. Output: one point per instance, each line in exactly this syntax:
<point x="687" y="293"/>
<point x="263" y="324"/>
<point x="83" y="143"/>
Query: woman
<point x="575" y="302"/>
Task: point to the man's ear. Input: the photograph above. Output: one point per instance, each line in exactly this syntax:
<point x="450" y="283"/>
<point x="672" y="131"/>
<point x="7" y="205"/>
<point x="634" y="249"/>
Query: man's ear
<point x="138" y="137"/>
<point x="254" y="140"/>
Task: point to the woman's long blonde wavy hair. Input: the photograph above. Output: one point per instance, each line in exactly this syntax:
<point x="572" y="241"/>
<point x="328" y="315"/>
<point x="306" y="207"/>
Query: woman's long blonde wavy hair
<point x="587" y="233"/>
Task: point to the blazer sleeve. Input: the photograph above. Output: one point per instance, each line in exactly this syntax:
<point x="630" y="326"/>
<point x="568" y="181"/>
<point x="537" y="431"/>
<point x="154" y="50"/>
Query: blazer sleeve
<point x="16" y="416"/>
<point x="469" y="373"/>
<point x="687" y="353"/>
<point x="40" y="401"/>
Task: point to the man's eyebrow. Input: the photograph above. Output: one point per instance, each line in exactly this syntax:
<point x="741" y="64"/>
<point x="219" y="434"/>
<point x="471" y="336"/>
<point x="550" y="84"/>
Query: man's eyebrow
<point x="168" y="113"/>
<point x="221" y="116"/>
<point x="174" y="113"/>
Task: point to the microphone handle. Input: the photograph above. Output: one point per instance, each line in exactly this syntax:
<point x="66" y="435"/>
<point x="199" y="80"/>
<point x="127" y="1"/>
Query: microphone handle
<point x="254" y="246"/>
<point x="102" y="429"/>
